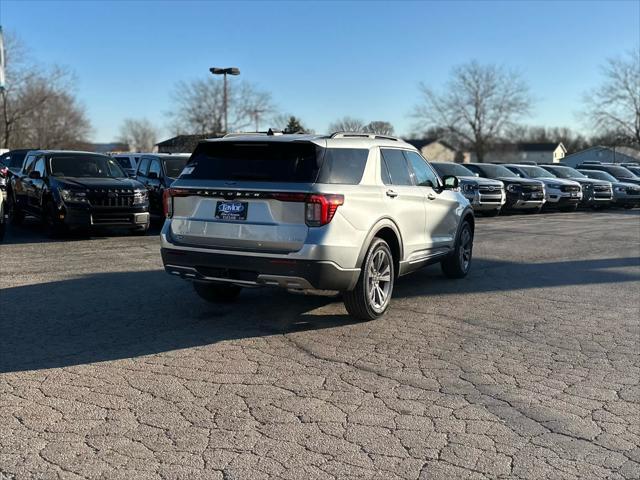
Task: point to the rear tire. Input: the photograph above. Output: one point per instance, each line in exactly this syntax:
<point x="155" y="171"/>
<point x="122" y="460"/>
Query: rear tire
<point x="457" y="264"/>
<point x="217" y="292"/>
<point x="372" y="294"/>
<point x="16" y="216"/>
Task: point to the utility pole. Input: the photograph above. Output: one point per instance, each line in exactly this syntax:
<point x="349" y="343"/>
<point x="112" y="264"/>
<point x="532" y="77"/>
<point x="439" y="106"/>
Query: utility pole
<point x="225" y="71"/>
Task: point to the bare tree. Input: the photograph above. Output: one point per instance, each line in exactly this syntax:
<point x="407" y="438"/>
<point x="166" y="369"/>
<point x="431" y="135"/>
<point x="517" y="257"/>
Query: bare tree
<point x="347" y="124"/>
<point x="139" y="134"/>
<point x="37" y="108"/>
<point x="479" y="104"/>
<point x="379" y="127"/>
<point x="198" y="106"/>
<point x="572" y="141"/>
<point x="615" y="105"/>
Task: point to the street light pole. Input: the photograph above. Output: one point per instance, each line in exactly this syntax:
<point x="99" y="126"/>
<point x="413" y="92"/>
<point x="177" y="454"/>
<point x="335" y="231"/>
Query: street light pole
<point x="225" y="99"/>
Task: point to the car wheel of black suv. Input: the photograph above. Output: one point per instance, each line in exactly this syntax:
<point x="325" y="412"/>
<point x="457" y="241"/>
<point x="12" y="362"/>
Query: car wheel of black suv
<point x="50" y="224"/>
<point x="458" y="263"/>
<point x="491" y="213"/>
<point x="371" y="297"/>
<point x="2" y="220"/>
<point x="217" y="292"/>
<point x="16" y="216"/>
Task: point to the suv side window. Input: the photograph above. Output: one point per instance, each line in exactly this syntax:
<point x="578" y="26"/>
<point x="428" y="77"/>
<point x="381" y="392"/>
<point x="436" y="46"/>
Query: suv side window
<point x="144" y="165"/>
<point x="155" y="167"/>
<point x="397" y="168"/>
<point x="475" y="169"/>
<point x="425" y="176"/>
<point x="39" y="167"/>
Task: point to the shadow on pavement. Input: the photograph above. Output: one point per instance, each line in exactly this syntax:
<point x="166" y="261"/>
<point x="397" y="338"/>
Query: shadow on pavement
<point x="111" y="316"/>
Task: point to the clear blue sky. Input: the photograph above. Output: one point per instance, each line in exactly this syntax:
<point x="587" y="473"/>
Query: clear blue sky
<point x="321" y="60"/>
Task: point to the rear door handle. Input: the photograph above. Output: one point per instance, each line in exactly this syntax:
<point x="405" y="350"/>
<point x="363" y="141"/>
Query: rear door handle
<point x="391" y="193"/>
<point x="431" y="196"/>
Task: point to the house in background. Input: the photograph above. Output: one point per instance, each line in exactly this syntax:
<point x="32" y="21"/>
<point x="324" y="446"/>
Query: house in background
<point x="524" y="152"/>
<point x="436" y="150"/>
<point x="183" y="143"/>
<point x="604" y="155"/>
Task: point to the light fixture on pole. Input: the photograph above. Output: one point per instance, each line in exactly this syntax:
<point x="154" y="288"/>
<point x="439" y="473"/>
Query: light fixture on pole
<point x="225" y="72"/>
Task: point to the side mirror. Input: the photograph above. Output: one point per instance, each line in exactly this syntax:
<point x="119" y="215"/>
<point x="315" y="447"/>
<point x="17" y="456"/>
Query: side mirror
<point x="450" y="182"/>
<point x="152" y="176"/>
<point x="34" y="174"/>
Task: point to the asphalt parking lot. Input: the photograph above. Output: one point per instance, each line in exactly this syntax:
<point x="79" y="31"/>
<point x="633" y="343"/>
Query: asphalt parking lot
<point x="529" y="368"/>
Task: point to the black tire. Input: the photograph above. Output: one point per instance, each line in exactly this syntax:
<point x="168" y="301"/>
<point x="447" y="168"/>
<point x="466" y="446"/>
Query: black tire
<point x="457" y="264"/>
<point x="572" y="208"/>
<point x="491" y="213"/>
<point x="2" y="219"/>
<point x="372" y="294"/>
<point x="217" y="292"/>
<point x="141" y="231"/>
<point x="534" y="211"/>
<point x="50" y="225"/>
<point x="16" y="215"/>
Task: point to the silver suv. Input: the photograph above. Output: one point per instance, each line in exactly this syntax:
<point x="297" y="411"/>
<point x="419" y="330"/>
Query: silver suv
<point x="346" y="212"/>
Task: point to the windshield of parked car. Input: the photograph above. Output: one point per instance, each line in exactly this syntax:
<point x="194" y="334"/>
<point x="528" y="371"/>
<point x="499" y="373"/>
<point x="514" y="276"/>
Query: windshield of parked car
<point x="124" y="162"/>
<point x="495" y="171"/>
<point x="567" y="172"/>
<point x="634" y="170"/>
<point x="14" y="160"/>
<point x="174" y="165"/>
<point x="537" y="172"/>
<point x="84" y="165"/>
<point x="452" y="169"/>
<point x="599" y="175"/>
<point x="620" y="172"/>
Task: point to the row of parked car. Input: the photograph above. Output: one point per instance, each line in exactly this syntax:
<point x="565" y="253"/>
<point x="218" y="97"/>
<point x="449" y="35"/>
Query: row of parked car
<point x="69" y="190"/>
<point x="492" y="188"/>
<point x="77" y="190"/>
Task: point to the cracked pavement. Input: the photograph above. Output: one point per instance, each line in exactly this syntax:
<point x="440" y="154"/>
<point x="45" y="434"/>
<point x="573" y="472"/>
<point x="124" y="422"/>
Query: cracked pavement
<point x="527" y="369"/>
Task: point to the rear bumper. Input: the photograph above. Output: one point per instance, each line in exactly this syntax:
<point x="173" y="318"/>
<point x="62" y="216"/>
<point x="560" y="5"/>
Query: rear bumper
<point x="257" y="271"/>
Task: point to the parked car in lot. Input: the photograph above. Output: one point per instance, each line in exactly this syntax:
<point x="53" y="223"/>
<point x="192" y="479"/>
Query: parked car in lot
<point x="595" y="193"/>
<point x="128" y="162"/>
<point x="621" y="173"/>
<point x="14" y="159"/>
<point x="635" y="169"/>
<point x="625" y="194"/>
<point x="559" y="193"/>
<point x="485" y="195"/>
<point x="345" y="212"/>
<point x="157" y="172"/>
<point x="522" y="193"/>
<point x="77" y="190"/>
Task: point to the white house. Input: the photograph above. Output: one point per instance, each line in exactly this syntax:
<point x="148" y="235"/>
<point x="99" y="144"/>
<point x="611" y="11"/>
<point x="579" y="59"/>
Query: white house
<point x="524" y="152"/>
<point x="604" y="155"/>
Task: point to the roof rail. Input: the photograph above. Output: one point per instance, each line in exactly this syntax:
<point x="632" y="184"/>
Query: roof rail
<point x="373" y="136"/>
<point x="270" y="132"/>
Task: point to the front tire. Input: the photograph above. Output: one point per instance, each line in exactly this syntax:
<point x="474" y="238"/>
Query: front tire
<point x="217" y="292"/>
<point x="491" y="213"/>
<point x="372" y="294"/>
<point x="50" y="224"/>
<point x="457" y="264"/>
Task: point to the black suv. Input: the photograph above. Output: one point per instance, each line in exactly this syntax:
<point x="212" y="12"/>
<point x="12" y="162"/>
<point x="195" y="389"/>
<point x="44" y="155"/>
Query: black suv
<point x="621" y="173"/>
<point x="522" y="193"/>
<point x="77" y="190"/>
<point x="158" y="172"/>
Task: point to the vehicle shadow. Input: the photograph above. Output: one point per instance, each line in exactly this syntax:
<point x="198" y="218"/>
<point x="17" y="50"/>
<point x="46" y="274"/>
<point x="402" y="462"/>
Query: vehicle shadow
<point x="120" y="315"/>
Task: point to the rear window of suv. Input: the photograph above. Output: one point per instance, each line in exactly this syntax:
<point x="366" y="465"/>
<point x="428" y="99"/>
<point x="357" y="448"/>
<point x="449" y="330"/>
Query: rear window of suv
<point x="294" y="162"/>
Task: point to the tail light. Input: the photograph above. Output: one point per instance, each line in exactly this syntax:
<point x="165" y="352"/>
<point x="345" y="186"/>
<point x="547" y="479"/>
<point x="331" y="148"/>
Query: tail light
<point x="168" y="196"/>
<point x="320" y="209"/>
